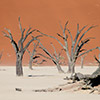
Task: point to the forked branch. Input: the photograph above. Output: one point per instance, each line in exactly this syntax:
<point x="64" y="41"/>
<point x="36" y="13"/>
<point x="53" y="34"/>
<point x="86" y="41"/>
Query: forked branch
<point x="11" y="38"/>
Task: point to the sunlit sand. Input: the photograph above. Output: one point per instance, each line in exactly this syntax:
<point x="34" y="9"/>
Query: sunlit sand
<point x="39" y="78"/>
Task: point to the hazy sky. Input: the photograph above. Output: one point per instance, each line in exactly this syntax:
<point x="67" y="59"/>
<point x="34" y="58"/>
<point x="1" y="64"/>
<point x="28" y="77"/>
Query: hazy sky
<point x="45" y="15"/>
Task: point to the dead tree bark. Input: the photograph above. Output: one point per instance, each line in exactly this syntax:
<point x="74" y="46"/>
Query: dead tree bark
<point x="20" y="48"/>
<point x="19" y="69"/>
<point x="55" y="58"/>
<point x="76" y="46"/>
<point x="92" y="80"/>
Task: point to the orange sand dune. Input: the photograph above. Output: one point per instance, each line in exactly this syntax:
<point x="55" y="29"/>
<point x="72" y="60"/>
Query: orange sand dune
<point x="46" y="15"/>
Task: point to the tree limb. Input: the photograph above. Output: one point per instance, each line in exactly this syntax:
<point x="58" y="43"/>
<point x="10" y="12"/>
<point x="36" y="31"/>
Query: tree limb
<point x="45" y="50"/>
<point x="12" y="41"/>
<point x="83" y="36"/>
<point x="55" y="53"/>
<point x="29" y="52"/>
<point x="34" y="38"/>
<point x="81" y="45"/>
<point x="20" y="41"/>
<point x="70" y="35"/>
<point x="62" y="36"/>
<point x="66" y="43"/>
<point x="28" y="33"/>
<point x="97" y="59"/>
<point x="53" y="38"/>
<point x="44" y="55"/>
<point x="87" y="51"/>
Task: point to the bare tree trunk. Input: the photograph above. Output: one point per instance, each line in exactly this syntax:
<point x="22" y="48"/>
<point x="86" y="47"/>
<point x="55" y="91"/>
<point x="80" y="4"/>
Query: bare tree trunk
<point x="19" y="69"/>
<point x="82" y="61"/>
<point x="59" y="68"/>
<point x="71" y="67"/>
<point x="30" y="63"/>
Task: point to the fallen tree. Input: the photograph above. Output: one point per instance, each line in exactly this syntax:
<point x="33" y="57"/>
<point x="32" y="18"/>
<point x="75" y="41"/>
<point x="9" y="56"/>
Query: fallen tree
<point x="92" y="80"/>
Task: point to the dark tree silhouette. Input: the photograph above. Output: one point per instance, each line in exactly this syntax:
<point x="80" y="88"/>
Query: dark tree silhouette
<point x="19" y="47"/>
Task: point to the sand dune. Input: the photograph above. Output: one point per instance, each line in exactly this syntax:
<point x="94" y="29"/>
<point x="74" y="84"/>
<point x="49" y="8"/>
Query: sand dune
<point x="45" y="15"/>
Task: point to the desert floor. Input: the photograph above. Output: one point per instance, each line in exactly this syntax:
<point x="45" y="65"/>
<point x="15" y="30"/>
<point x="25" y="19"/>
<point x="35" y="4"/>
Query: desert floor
<point x="42" y="78"/>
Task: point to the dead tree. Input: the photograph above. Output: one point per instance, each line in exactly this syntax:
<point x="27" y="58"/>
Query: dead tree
<point x="19" y="47"/>
<point x="93" y="79"/>
<point x="55" y="57"/>
<point x="33" y="55"/>
<point x="76" y="46"/>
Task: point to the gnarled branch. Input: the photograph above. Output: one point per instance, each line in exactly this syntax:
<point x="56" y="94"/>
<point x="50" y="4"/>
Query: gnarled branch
<point x="11" y="38"/>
